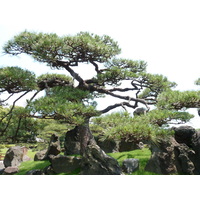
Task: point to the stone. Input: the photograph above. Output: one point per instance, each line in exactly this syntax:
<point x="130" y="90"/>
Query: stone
<point x="184" y="134"/>
<point x="35" y="172"/>
<point x="125" y="145"/>
<point x="96" y="162"/>
<point x="170" y="157"/>
<point x="64" y="164"/>
<point x="140" y="111"/>
<point x="10" y="170"/>
<point x="161" y="161"/>
<point x="13" y="157"/>
<point x="26" y="158"/>
<point x="40" y="155"/>
<point x="72" y="142"/>
<point x="130" y="165"/>
<point x="191" y="137"/>
<point x="54" y="147"/>
<point x="196" y="148"/>
<point x="1" y="171"/>
<point x="48" y="170"/>
<point x="184" y="159"/>
<point x="2" y="165"/>
<point x="107" y="145"/>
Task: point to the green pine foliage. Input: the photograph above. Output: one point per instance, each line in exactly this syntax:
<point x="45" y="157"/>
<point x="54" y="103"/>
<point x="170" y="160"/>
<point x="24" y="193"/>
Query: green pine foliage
<point x="49" y="48"/>
<point x="15" y="80"/>
<point x="147" y="127"/>
<point x="173" y="99"/>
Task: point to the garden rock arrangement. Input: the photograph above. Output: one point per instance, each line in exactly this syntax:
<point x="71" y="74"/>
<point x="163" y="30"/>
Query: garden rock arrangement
<point x="177" y="155"/>
<point x="72" y="144"/>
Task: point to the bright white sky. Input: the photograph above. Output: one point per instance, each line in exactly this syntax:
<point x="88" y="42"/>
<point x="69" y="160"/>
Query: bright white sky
<point x="164" y="33"/>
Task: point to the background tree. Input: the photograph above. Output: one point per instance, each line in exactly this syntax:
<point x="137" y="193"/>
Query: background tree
<point x="17" y="127"/>
<point x="73" y="101"/>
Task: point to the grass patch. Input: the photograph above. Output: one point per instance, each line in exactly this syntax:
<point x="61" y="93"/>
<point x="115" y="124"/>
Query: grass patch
<point x="31" y="154"/>
<point x="31" y="165"/>
<point x="143" y="155"/>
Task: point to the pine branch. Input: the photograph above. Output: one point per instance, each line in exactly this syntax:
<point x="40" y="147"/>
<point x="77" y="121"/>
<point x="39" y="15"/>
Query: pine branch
<point x="117" y="105"/>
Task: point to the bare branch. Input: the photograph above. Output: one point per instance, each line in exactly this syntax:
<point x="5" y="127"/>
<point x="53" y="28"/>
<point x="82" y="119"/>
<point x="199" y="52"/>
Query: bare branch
<point x="115" y="106"/>
<point x="1" y="101"/>
<point x="13" y="106"/>
<point x="128" y="98"/>
<point x="122" y="89"/>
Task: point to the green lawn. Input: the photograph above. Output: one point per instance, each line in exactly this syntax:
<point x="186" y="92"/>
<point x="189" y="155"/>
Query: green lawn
<point x="30" y="165"/>
<point x="143" y="156"/>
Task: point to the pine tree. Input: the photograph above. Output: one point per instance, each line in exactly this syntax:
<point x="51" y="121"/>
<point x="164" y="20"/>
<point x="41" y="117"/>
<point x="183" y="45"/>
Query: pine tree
<point x="75" y="103"/>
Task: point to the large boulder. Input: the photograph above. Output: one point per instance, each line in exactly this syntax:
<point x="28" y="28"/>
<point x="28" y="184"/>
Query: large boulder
<point x="184" y="159"/>
<point x="96" y="162"/>
<point x="191" y="137"/>
<point x="64" y="164"/>
<point x="13" y="157"/>
<point x="72" y="142"/>
<point x="130" y="165"/>
<point x="54" y="147"/>
<point x="170" y="157"/>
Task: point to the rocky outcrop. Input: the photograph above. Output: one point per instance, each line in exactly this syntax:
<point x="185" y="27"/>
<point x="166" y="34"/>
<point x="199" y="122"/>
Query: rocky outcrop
<point x="162" y="157"/>
<point x="196" y="148"/>
<point x="176" y="155"/>
<point x="96" y="162"/>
